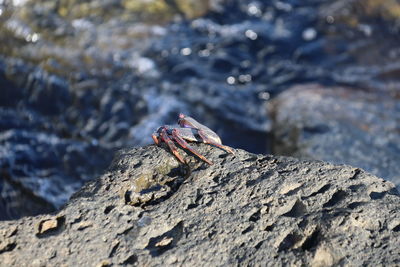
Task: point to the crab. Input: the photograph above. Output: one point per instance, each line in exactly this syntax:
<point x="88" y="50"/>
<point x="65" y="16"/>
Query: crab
<point x="189" y="130"/>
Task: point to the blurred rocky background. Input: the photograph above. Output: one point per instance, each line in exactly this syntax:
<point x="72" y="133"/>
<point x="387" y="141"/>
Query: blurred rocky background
<point x="79" y="80"/>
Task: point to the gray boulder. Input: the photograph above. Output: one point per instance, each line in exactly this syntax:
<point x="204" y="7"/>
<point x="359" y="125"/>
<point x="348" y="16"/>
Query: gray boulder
<point x="340" y="125"/>
<point x="246" y="209"/>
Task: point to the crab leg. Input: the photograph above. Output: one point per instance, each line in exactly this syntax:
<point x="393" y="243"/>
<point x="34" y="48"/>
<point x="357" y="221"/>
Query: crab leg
<point x="155" y="139"/>
<point x="207" y="140"/>
<point x="185" y="145"/>
<point x="171" y="145"/>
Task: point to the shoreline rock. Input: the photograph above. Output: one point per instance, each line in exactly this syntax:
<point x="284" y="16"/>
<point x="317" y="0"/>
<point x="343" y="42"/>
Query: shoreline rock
<point x="246" y="209"/>
<point x="341" y="125"/>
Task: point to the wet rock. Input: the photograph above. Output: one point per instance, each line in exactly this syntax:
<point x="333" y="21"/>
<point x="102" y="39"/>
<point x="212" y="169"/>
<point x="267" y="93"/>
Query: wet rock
<point x="50" y="98"/>
<point x="17" y="200"/>
<point x="352" y="30"/>
<point x="41" y="171"/>
<point x="10" y="92"/>
<point x="43" y="157"/>
<point x="165" y="10"/>
<point x="244" y="209"/>
<point x="340" y="125"/>
<point x="362" y="12"/>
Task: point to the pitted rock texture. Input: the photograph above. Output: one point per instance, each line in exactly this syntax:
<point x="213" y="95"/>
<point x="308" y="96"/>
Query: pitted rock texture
<point x="247" y="209"/>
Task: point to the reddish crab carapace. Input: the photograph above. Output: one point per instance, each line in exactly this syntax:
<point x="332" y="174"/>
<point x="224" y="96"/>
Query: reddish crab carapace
<point x="189" y="130"/>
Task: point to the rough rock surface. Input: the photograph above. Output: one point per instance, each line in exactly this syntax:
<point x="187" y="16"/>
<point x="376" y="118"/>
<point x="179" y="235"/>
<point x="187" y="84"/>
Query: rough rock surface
<point x="148" y="210"/>
<point x="340" y="125"/>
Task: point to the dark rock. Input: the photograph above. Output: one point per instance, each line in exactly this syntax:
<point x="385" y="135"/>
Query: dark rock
<point x="18" y="200"/>
<point x="245" y="209"/>
<point x="223" y="64"/>
<point x="40" y="171"/>
<point x="10" y="93"/>
<point x="340" y="125"/>
<point x="49" y="95"/>
<point x="104" y="74"/>
<point x="44" y="149"/>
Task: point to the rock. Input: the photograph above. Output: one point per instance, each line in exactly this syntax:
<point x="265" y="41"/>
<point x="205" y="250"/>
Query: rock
<point x="57" y="168"/>
<point x="42" y="159"/>
<point x="10" y="92"/>
<point x="245" y="209"/>
<point x="49" y="94"/>
<point x="7" y="241"/>
<point x="84" y="225"/>
<point x="340" y="125"/>
<point x="50" y="225"/>
<point x="385" y="11"/>
<point x="63" y="77"/>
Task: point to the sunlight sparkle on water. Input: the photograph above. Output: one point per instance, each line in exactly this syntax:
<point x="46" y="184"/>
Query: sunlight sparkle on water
<point x="186" y="51"/>
<point x="34" y="37"/>
<point x="230" y="80"/>
<point x="204" y="53"/>
<point x="309" y="34"/>
<point x="245" y="78"/>
<point x="254" y="10"/>
<point x="252" y="35"/>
